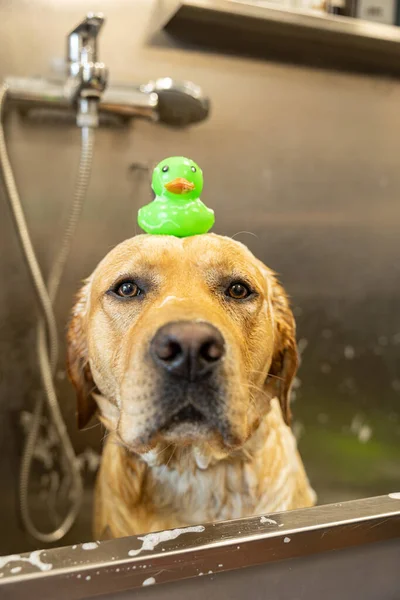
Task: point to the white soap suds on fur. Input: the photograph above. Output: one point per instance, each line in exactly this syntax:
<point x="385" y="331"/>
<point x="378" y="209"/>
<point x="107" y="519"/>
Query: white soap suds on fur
<point x="149" y="581"/>
<point x="286" y="540"/>
<point x="90" y="546"/>
<point x="151" y="540"/>
<point x="395" y="496"/>
<point x="33" y="559"/>
<point x="269" y="521"/>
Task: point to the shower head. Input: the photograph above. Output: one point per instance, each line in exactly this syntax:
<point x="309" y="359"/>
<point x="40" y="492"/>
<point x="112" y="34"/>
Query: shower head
<point x="179" y="103"/>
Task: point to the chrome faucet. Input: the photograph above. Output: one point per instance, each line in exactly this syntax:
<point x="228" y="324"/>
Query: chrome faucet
<point x="87" y="78"/>
<point x="174" y="103"/>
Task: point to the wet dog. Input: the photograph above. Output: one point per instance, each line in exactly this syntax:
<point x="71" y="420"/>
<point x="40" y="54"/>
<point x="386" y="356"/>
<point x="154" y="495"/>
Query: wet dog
<point x="186" y="347"/>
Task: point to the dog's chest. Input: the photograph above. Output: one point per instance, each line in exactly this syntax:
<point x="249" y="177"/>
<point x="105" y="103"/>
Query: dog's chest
<point x="214" y="494"/>
<point x="134" y="496"/>
<point x="233" y="488"/>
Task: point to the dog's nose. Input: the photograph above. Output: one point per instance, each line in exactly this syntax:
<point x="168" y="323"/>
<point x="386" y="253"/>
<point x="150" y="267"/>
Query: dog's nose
<point x="188" y="349"/>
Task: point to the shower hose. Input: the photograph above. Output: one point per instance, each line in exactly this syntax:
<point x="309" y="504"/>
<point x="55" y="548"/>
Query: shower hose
<point x="46" y="332"/>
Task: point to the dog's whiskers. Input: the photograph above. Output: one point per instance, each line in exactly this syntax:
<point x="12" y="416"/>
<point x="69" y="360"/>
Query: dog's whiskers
<point x="267" y="375"/>
<point x="163" y="450"/>
<point x="165" y="467"/>
<point x="109" y="432"/>
<point x="247" y="232"/>
<point x="91" y="427"/>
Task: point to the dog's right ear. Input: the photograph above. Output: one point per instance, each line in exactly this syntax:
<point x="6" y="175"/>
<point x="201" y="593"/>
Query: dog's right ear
<point x="78" y="360"/>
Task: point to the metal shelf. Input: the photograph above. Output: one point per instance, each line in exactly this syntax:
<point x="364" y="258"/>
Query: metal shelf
<point x="281" y="34"/>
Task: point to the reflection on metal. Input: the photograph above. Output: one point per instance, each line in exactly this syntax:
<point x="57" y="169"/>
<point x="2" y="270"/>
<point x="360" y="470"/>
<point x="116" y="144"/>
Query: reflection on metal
<point x="128" y="563"/>
<point x="174" y="103"/>
<point x="271" y="31"/>
<point x="164" y="100"/>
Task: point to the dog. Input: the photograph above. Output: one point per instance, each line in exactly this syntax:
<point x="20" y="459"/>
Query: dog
<point x="186" y="348"/>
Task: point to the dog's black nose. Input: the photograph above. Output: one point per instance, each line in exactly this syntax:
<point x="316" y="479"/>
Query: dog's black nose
<point x="188" y="349"/>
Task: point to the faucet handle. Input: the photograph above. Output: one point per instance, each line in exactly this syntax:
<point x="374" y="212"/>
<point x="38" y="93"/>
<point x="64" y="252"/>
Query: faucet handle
<point x="82" y="41"/>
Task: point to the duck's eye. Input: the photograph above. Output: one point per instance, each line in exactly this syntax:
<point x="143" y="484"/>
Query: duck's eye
<point x="193" y="169"/>
<point x="238" y="291"/>
<point x="128" y="289"/>
<point x="165" y="168"/>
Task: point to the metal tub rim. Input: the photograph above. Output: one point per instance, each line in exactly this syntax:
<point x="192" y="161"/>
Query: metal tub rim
<point x="96" y="568"/>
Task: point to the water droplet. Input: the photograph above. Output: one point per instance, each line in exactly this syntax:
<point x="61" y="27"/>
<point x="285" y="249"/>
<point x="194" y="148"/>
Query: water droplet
<point x="396" y="338"/>
<point x="327" y="334"/>
<point x="365" y="434"/>
<point x="396" y="385"/>
<point x="302" y="345"/>
<point x="16" y="570"/>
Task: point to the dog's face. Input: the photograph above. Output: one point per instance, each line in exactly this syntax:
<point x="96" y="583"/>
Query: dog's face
<point x="185" y="341"/>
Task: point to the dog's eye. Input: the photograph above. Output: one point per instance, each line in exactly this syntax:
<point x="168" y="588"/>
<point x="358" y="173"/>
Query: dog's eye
<point x="128" y="289"/>
<point x="238" y="291"/>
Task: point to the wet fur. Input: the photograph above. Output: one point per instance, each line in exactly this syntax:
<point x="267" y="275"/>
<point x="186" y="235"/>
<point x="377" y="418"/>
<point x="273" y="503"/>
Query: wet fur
<point x="247" y="463"/>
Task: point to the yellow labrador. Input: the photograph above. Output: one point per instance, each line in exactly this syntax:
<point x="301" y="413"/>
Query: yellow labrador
<point x="187" y="347"/>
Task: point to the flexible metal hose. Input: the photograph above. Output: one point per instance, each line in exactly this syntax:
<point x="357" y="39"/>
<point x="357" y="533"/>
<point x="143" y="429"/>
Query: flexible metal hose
<point x="24" y="237"/>
<point x="47" y="345"/>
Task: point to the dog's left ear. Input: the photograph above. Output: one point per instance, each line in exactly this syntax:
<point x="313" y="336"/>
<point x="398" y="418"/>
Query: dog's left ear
<point x="285" y="359"/>
<point x="77" y="359"/>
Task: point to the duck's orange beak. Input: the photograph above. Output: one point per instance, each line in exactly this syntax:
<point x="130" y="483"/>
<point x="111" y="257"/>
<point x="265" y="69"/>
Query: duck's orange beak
<point x="179" y="186"/>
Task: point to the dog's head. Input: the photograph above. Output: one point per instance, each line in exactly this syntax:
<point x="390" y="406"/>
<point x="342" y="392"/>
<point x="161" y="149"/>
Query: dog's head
<point x="182" y="341"/>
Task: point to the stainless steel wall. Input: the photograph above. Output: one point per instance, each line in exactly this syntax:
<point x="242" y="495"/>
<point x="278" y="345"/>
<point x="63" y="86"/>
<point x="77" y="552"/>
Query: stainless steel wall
<point x="304" y="160"/>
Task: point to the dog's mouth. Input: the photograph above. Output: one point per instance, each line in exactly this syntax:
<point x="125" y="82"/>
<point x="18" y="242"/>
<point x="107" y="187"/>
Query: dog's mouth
<point x="187" y="425"/>
<point x="189" y="415"/>
<point x="190" y="425"/>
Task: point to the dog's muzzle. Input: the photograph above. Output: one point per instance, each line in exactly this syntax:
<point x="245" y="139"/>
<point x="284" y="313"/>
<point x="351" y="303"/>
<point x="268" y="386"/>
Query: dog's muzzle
<point x="188" y="356"/>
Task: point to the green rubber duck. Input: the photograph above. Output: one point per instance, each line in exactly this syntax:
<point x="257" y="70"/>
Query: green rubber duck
<point x="177" y="209"/>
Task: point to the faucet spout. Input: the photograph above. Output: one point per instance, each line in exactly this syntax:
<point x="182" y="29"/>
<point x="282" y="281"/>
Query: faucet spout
<point x="87" y="78"/>
<point x="82" y="42"/>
